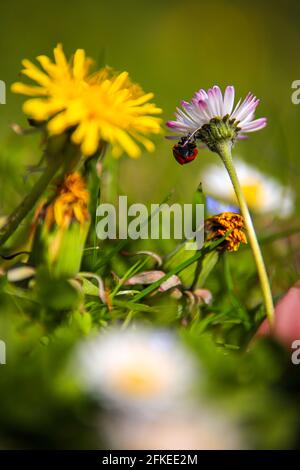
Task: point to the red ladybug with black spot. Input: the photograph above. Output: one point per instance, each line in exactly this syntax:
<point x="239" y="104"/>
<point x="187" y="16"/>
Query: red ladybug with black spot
<point x="185" y="151"/>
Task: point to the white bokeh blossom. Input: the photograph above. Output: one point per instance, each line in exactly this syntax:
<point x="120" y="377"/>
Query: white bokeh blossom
<point x="140" y="368"/>
<point x="264" y="194"/>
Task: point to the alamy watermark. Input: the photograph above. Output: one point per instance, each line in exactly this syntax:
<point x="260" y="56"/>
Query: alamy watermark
<point x="2" y="92"/>
<point x="2" y="352"/>
<point x="296" y="354"/>
<point x="295" y="97"/>
<point x="180" y="222"/>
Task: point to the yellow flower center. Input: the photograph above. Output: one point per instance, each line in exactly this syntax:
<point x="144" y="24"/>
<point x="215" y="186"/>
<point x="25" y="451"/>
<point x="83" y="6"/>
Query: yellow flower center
<point x="137" y="380"/>
<point x="254" y="193"/>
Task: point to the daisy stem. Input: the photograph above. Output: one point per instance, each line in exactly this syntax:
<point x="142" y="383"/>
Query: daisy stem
<point x="16" y="217"/>
<point x="224" y="150"/>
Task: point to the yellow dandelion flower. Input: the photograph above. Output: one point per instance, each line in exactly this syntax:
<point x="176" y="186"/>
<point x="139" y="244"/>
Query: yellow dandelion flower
<point x="116" y="111"/>
<point x="218" y="225"/>
<point x="97" y="107"/>
<point x="70" y="203"/>
<point x="60" y="83"/>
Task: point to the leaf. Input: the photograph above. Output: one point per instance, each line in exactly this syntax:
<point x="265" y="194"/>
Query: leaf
<point x="209" y="262"/>
<point x="136" y="306"/>
<point x="89" y="288"/>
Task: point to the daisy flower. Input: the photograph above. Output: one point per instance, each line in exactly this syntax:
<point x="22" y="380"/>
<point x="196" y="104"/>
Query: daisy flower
<point x="210" y="116"/>
<point x="104" y="106"/>
<point x="264" y="195"/>
<point x="135" y="369"/>
<point x="212" y="119"/>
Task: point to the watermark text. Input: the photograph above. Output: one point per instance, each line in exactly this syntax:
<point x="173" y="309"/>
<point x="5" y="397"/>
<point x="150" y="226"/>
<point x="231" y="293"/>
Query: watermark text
<point x="163" y="221"/>
<point x="2" y="92"/>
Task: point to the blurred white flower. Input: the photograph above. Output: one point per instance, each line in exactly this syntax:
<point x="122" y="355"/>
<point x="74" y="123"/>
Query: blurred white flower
<point x="192" y="429"/>
<point x="135" y="369"/>
<point x="264" y="194"/>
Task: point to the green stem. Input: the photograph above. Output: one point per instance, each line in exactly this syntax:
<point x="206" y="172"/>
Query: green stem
<point x="29" y="201"/>
<point x="196" y="274"/>
<point x="224" y="150"/>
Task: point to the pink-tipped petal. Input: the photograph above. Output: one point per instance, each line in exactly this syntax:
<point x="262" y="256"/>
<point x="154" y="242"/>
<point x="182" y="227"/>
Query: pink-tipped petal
<point x="186" y="104"/>
<point x="200" y="95"/>
<point x="218" y="100"/>
<point x="241" y="106"/>
<point x="255" y="125"/>
<point x="228" y="100"/>
<point x="246" y="108"/>
<point x="236" y="108"/>
<point x="204" y="109"/>
<point x="211" y="103"/>
<point x="172" y="124"/>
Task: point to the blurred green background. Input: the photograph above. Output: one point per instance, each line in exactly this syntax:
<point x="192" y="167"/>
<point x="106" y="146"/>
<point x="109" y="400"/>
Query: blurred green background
<point x="171" y="48"/>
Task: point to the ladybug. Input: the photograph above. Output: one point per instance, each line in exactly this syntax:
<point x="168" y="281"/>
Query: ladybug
<point x="185" y="151"/>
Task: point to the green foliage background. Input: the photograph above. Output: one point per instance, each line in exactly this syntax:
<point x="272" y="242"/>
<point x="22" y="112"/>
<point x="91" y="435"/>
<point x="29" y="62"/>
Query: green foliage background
<point x="171" y="48"/>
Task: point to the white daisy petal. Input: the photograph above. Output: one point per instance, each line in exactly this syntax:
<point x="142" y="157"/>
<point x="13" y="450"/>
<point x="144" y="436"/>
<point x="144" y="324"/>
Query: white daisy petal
<point x="228" y="100"/>
<point x="249" y="108"/>
<point x="255" y="125"/>
<point x="218" y="100"/>
<point x="212" y="102"/>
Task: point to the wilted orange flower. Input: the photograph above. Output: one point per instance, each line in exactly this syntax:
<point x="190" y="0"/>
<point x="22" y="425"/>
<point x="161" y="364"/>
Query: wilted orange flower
<point x="218" y="225"/>
<point x="70" y="202"/>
